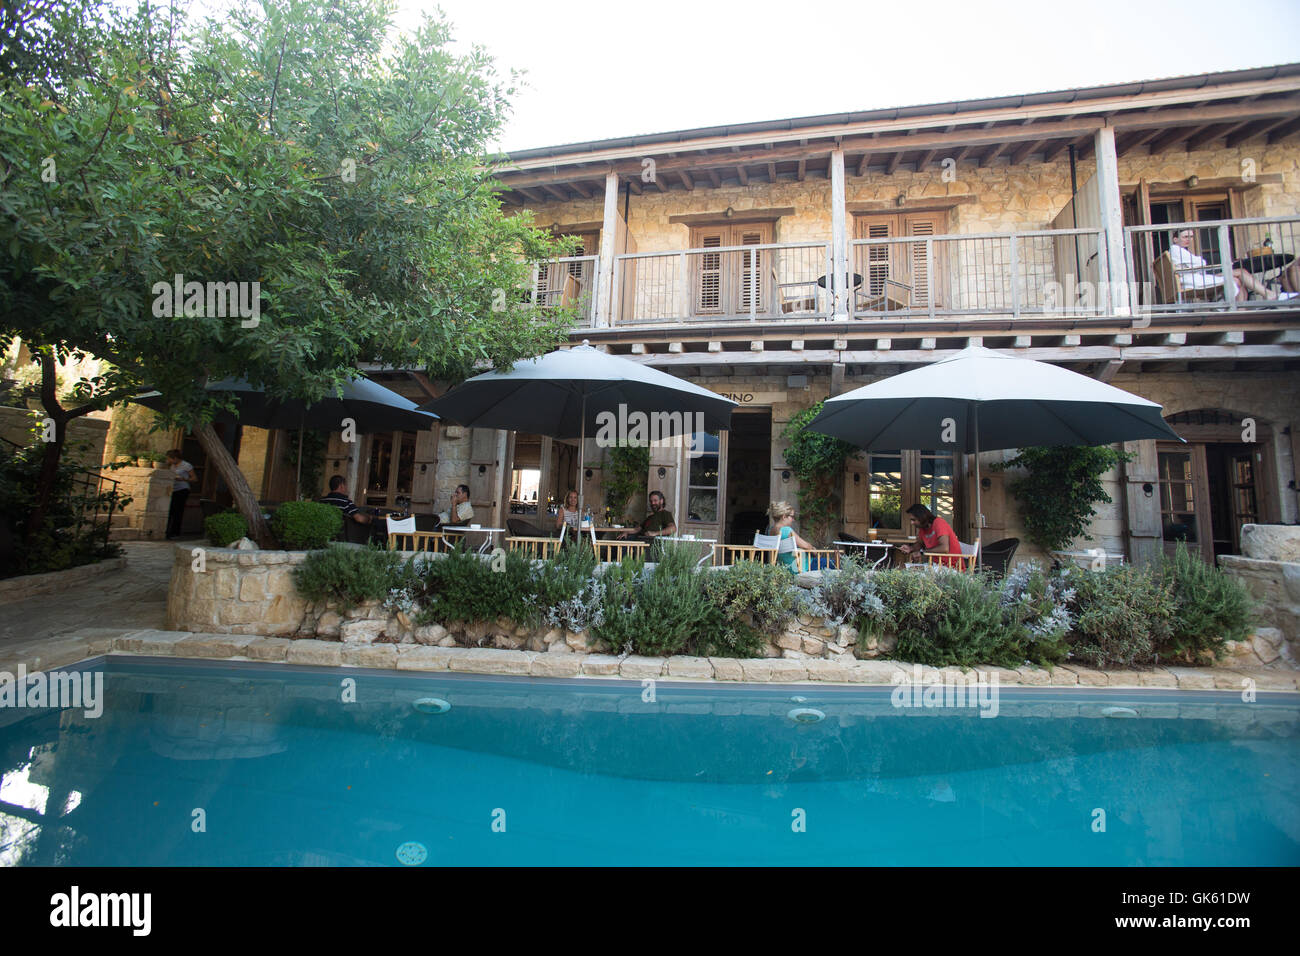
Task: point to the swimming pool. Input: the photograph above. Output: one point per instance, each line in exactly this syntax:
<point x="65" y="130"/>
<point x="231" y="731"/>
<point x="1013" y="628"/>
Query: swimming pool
<point x="249" y="764"/>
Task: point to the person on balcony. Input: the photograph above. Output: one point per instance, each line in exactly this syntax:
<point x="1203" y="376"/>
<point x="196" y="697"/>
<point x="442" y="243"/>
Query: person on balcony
<point x="338" y="497"/>
<point x="1193" y="272"/>
<point x="934" y="535"/>
<point x="657" y="524"/>
<point x="781" y="516"/>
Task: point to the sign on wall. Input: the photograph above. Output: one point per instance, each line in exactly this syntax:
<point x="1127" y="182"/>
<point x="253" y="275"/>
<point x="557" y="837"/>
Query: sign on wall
<point x="745" y="398"/>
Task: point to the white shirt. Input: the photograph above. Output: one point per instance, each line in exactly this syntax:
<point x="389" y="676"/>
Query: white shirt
<point x="570" y="517"/>
<point x="181" y="469"/>
<point x="1185" y="259"/>
<point x="464" y="513"/>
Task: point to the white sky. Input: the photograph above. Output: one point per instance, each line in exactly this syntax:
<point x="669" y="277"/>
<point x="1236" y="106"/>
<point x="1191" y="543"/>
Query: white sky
<point x="597" y="70"/>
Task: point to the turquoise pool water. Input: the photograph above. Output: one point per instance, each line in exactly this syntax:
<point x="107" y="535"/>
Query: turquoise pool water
<point x="586" y="772"/>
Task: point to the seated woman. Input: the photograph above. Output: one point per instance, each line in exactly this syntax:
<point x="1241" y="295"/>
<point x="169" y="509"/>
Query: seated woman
<point x="782" y="518"/>
<point x="568" y="513"/>
<point x="933" y="535"/>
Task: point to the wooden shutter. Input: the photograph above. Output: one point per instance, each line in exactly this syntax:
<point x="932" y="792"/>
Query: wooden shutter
<point x="750" y="269"/>
<point x="872" y="262"/>
<point x="708" y="271"/>
<point x="928" y="224"/>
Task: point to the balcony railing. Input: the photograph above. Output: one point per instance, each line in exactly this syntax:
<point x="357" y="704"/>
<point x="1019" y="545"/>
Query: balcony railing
<point x="724" y="284"/>
<point x="1255" y="258"/>
<point x="567" y="281"/>
<point x="1041" y="272"/>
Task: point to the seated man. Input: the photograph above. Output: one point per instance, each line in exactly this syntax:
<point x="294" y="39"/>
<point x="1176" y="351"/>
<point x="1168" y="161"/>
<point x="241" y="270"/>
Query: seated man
<point x="1194" y="272"/>
<point x="460" y="506"/>
<point x="658" y="523"/>
<point x="338" y="497"/>
<point x="934" y="535"/>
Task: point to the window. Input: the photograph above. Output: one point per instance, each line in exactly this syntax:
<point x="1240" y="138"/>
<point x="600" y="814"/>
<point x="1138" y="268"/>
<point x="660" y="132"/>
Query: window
<point x="552" y="277"/>
<point x="1177" y="498"/>
<point x="731" y="283"/>
<point x="702" y="484"/>
<point x="899" y="479"/>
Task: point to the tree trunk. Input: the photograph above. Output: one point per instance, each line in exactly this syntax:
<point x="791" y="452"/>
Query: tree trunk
<point x="49" y="475"/>
<point x="228" y="469"/>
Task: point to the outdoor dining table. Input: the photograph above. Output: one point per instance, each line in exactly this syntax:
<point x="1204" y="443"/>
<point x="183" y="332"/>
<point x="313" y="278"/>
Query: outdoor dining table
<point x="471" y="529"/>
<point x="866" y="547"/>
<point x="1262" y="263"/>
<point x="1084" y="559"/>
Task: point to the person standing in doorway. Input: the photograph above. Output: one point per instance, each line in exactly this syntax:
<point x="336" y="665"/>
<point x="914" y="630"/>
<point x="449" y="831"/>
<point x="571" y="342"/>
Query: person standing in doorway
<point x="182" y="474"/>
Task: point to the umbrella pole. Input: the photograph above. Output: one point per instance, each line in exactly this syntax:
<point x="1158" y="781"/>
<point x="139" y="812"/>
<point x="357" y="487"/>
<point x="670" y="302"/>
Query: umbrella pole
<point x="582" y="448"/>
<point x="979" y="512"/>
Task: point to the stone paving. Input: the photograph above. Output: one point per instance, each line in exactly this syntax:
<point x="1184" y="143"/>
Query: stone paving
<point x="133" y="597"/>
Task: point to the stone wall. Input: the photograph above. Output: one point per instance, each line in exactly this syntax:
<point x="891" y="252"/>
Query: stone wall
<point x="145" y="516"/>
<point x="1270" y="569"/>
<point x="16" y="425"/>
<point x="235" y="592"/>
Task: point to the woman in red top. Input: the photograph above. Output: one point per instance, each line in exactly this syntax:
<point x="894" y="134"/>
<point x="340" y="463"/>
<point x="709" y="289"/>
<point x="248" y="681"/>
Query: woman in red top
<point x="933" y="535"/>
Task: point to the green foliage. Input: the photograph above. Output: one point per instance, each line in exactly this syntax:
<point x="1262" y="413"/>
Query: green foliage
<point x="225" y="529"/>
<point x="763" y="593"/>
<point x="76" y="528"/>
<point x="625" y="474"/>
<point x="1210" y="608"/>
<point x="349" y="576"/>
<point x="818" y="462"/>
<point x="1121" y="616"/>
<point x="132" y="431"/>
<point x="306" y="525"/>
<point x="464" y="587"/>
<point x="1059" y="490"/>
<point x="301" y="144"/>
<point x="562" y="577"/>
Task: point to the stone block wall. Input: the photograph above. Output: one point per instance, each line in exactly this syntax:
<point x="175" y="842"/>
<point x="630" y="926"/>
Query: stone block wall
<point x="16" y="425"/>
<point x="1270" y="570"/>
<point x="145" y="516"/>
<point x="236" y="592"/>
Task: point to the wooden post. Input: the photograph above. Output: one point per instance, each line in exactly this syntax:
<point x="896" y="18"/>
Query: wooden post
<point x="1142" y="527"/>
<point x="1115" y="275"/>
<point x="839" y="236"/>
<point x="608" y="245"/>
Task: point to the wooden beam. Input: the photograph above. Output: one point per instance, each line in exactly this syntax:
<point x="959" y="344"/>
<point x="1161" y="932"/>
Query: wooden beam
<point x="531" y="195"/>
<point x="1251" y="130"/>
<point x="926" y="159"/>
<point x="1057" y="147"/>
<point x="771" y="172"/>
<point x="742" y="175"/>
<point x="1178" y="134"/>
<point x="1210" y="134"/>
<point x="714" y="178"/>
<point x="1283" y="131"/>
<point x="894" y="160"/>
<point x="802" y="172"/>
<point x="863" y="163"/>
<point x="552" y="190"/>
<point x="635" y="183"/>
<point x="1027" y="148"/>
<point x="685" y="177"/>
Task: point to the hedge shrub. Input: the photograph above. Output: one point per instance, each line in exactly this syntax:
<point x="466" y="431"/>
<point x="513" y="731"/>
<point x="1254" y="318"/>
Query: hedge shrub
<point x="1210" y="609"/>
<point x="225" y="528"/>
<point x="306" y="525"/>
<point x="349" y="576"/>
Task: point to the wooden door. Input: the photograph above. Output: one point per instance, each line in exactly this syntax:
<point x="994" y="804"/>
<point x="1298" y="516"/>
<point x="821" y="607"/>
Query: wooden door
<point x="1184" y="498"/>
<point x="903" y="262"/>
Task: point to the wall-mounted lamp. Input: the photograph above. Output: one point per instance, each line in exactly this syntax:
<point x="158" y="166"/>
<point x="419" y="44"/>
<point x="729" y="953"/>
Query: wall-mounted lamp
<point x="1193" y="181"/>
<point x="901" y="200"/>
<point x="785" y="476"/>
<point x="587" y="474"/>
<point x="730" y="212"/>
<point x="986" y="483"/>
<point x="856" y="477"/>
<point x="482" y="469"/>
<point x="1148" y="489"/>
<point x="663" y="472"/>
<point x="423" y="469"/>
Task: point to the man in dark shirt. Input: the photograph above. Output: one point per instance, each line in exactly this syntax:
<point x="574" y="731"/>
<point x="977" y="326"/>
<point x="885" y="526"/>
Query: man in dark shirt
<point x="338" y="497"/>
<point x="658" y="523"/>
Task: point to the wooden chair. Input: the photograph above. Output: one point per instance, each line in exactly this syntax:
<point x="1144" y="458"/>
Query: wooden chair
<point x="894" y="296"/>
<point x="571" y="291"/>
<point x="1168" y="289"/>
<point x="827" y="557"/>
<point x="400" y="531"/>
<point x="966" y="561"/>
<point x="615" y="550"/>
<point x="534" y="547"/>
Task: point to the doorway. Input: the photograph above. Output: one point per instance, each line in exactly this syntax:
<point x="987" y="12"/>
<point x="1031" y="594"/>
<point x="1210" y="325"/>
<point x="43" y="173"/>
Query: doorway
<point x="749" y="469"/>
